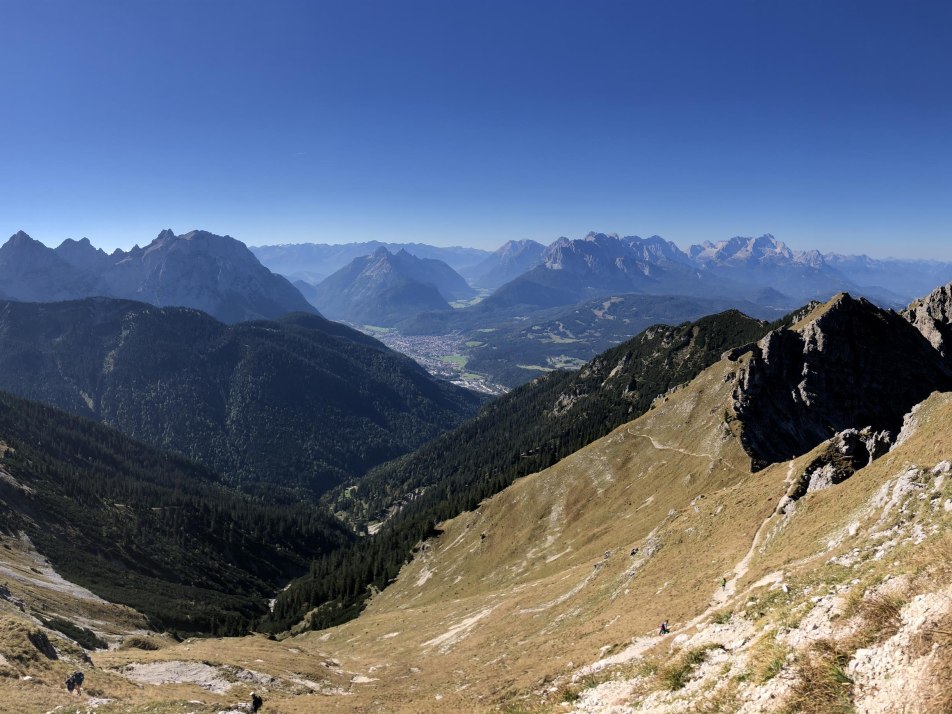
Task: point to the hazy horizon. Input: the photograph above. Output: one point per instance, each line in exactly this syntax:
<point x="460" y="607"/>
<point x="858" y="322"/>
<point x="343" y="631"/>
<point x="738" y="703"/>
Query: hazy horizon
<point x="683" y="246"/>
<point x="824" y="124"/>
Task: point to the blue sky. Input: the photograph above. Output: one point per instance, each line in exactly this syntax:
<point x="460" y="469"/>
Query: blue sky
<point x="825" y="123"/>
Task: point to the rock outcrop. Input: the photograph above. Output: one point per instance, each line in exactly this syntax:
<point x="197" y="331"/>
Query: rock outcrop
<point x="846" y="363"/>
<point x="932" y="316"/>
<point x="845" y="454"/>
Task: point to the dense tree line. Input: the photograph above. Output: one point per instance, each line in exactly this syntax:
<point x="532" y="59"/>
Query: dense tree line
<point x="525" y="431"/>
<point x="148" y="529"/>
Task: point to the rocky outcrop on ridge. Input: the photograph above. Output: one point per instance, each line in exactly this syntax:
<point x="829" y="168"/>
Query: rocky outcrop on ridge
<point x="845" y="364"/>
<point x="932" y="316"/>
<point x="845" y="454"/>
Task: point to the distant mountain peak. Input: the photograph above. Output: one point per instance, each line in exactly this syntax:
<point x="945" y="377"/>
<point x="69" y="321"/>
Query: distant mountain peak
<point x="384" y="288"/>
<point x="21" y="238"/>
<point x="598" y="235"/>
<point x="84" y="242"/>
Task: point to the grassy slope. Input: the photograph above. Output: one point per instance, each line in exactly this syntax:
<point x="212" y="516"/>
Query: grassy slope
<point x="518" y="434"/>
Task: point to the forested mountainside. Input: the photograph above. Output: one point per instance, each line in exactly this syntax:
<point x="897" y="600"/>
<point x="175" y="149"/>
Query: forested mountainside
<point x="524" y="431"/>
<point x="283" y="408"/>
<point x="148" y="529"/>
<point x="516" y="350"/>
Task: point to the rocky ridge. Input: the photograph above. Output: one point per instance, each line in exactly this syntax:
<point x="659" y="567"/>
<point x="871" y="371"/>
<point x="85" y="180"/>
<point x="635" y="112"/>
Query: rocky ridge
<point x="846" y="364"/>
<point x="932" y="316"/>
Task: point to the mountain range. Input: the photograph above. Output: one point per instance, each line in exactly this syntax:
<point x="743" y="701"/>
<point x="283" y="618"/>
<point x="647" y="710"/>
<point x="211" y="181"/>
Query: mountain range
<point x="600" y="262"/>
<point x="312" y="262"/>
<point x="285" y="408"/>
<point x="215" y="274"/>
<point x="830" y="367"/>
<point x="681" y="514"/>
<point x="761" y="270"/>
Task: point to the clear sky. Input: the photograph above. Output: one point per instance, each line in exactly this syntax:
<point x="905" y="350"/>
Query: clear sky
<point x="827" y="123"/>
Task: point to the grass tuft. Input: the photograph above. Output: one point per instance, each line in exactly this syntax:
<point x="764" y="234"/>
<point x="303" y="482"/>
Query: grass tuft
<point x="140" y="642"/>
<point x="678" y="673"/>
<point x="822" y="685"/>
<point x="767" y="659"/>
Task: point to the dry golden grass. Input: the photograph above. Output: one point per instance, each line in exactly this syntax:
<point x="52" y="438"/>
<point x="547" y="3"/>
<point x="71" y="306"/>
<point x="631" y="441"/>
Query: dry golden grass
<point x="767" y="658"/>
<point x="880" y="618"/>
<point x="822" y="685"/>
<point x="937" y="640"/>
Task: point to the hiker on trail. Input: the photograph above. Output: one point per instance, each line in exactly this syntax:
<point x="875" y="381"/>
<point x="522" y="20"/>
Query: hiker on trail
<point x="663" y="628"/>
<point x="75" y="682"/>
<point x="723" y="583"/>
<point x="256" y="702"/>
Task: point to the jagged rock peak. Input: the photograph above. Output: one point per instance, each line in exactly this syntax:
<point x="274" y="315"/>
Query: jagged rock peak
<point x="21" y="237"/>
<point x="167" y="234"/>
<point x="846" y="363"/>
<point x="518" y="246"/>
<point x="932" y="316"/>
<point x="597" y="236"/>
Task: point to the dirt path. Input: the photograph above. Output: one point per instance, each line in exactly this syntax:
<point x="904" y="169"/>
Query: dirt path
<point x="640" y="645"/>
<point x="664" y="447"/>
<point x="729" y="589"/>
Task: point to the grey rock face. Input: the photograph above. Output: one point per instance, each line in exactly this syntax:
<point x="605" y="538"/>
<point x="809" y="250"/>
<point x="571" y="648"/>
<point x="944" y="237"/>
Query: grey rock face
<point x="31" y="271"/>
<point x="932" y="316"/>
<point x="852" y="363"/>
<point x="850" y="450"/>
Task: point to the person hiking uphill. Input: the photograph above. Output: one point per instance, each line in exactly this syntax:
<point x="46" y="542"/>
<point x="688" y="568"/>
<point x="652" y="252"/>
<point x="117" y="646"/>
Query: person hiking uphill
<point x="663" y="628"/>
<point x="256" y="702"/>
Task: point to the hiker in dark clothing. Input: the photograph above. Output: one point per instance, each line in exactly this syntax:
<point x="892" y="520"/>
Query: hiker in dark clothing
<point x="256" y="702"/>
<point x="75" y="682"/>
<point x="663" y="628"/>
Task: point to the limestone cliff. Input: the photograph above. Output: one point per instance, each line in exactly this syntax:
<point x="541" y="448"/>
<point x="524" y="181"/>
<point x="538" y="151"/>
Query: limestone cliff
<point x="932" y="316"/>
<point x="846" y="364"/>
